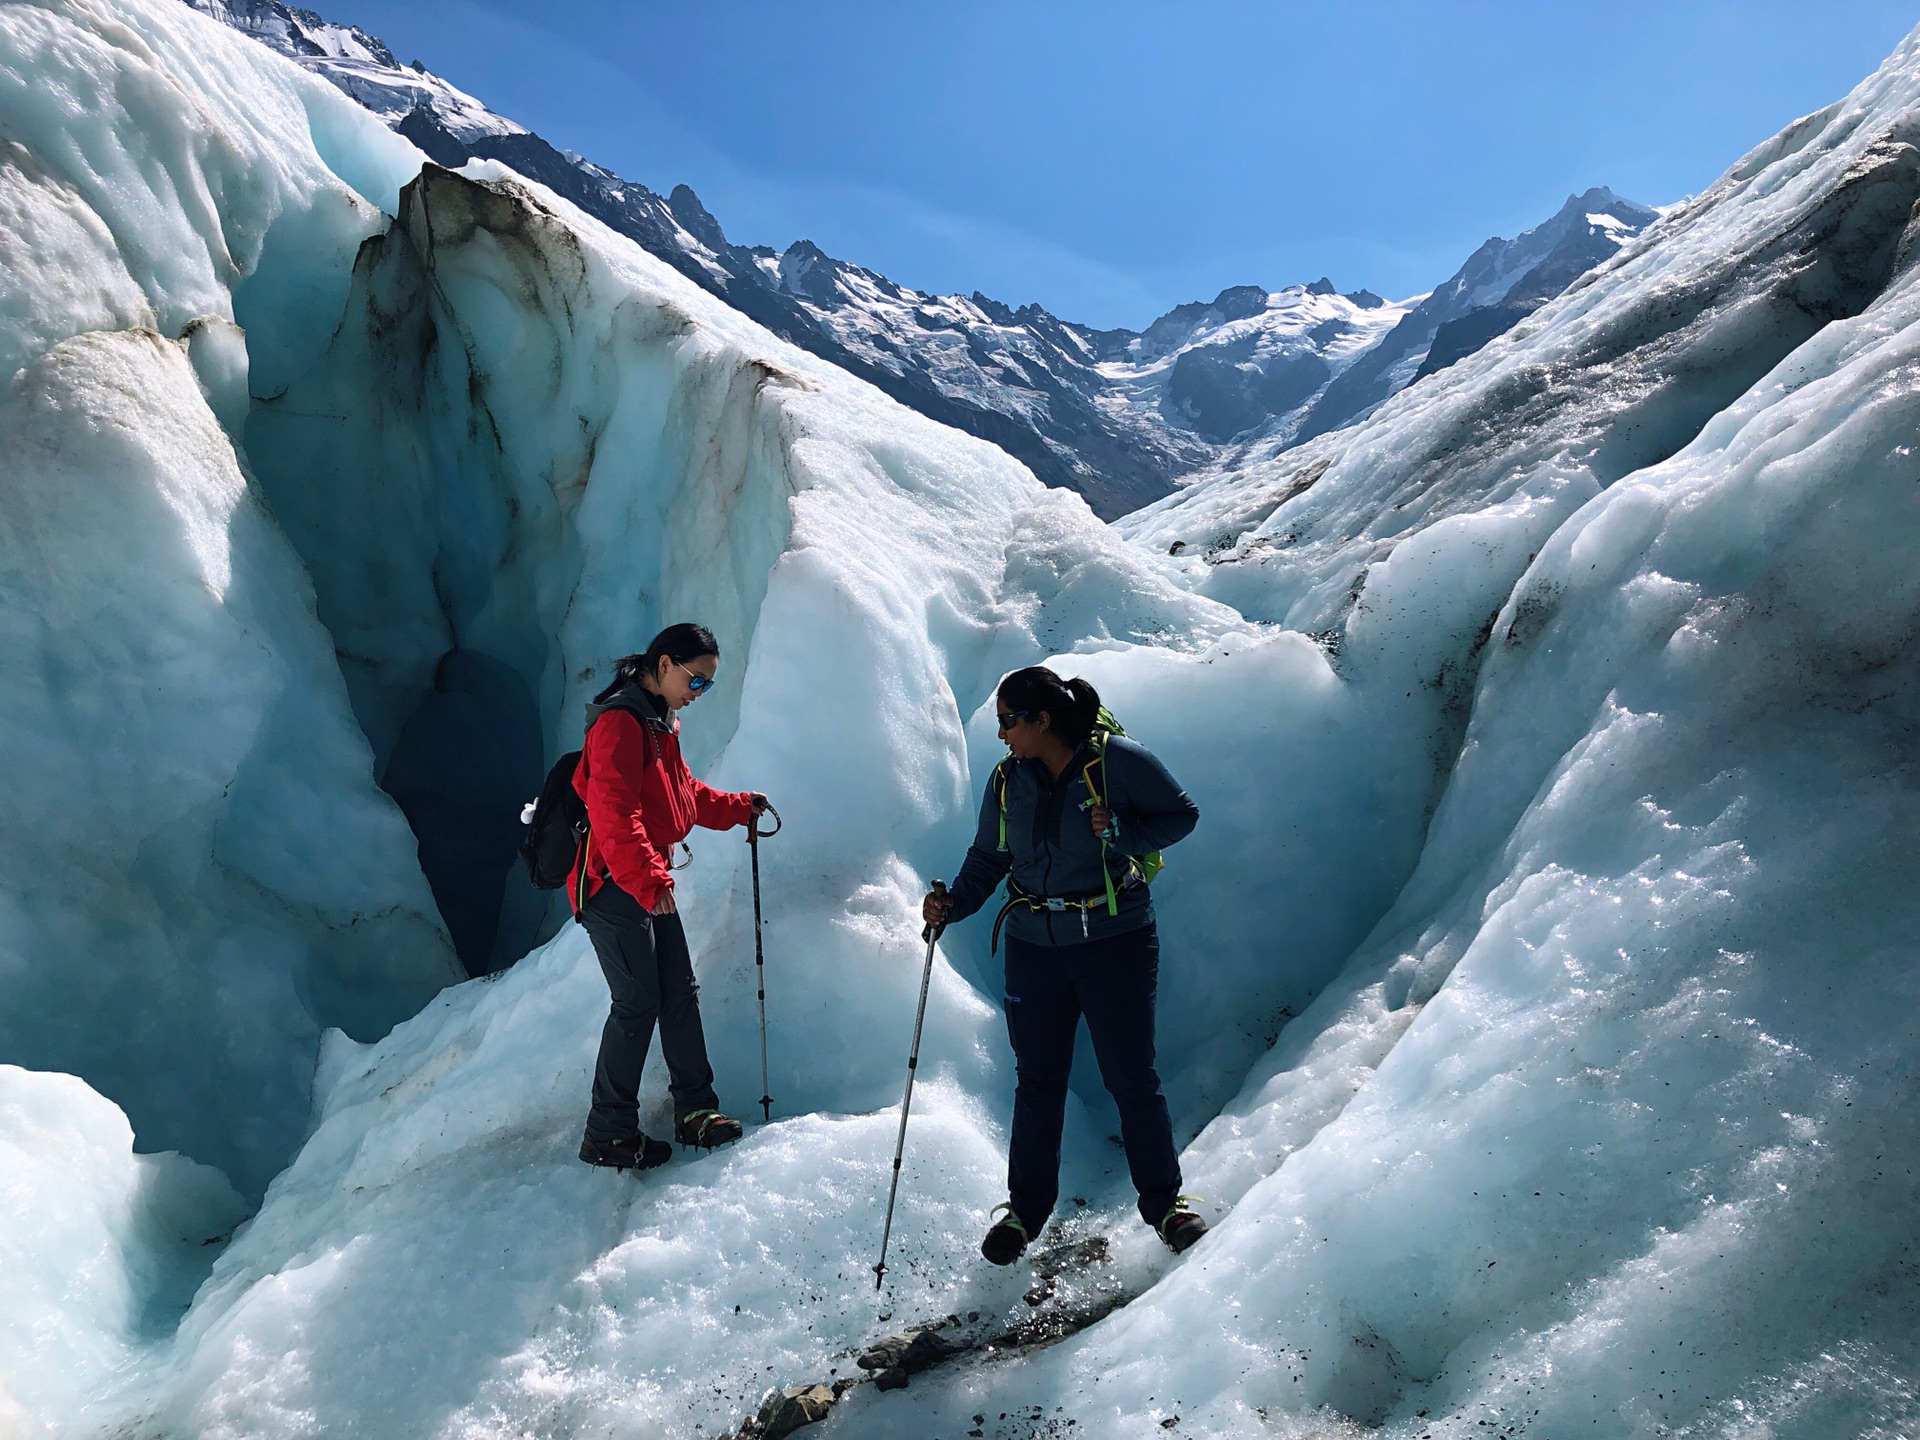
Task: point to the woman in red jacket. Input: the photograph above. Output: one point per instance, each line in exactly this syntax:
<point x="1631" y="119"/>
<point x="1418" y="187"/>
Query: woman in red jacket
<point x="641" y="801"/>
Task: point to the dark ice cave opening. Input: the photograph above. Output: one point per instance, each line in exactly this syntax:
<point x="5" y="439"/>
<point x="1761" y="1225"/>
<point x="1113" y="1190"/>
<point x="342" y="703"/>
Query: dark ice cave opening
<point x="467" y="758"/>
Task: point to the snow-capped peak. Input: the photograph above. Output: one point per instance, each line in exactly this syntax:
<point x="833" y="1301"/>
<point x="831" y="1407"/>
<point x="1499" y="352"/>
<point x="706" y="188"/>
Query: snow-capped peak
<point x="360" y="64"/>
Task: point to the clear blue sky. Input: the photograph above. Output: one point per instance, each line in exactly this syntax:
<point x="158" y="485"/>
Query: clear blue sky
<point x="1111" y="158"/>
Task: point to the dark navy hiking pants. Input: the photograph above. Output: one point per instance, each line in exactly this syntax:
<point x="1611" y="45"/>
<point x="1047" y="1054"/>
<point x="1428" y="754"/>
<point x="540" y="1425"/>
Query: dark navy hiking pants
<point x="650" y="973"/>
<point x="1112" y="983"/>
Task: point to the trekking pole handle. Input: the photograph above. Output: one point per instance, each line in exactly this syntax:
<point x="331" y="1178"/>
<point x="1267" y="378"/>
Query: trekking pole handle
<point x="932" y="932"/>
<point x="754" y="833"/>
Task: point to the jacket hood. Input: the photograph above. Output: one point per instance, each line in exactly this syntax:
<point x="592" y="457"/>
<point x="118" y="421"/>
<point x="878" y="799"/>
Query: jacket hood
<point x="636" y="699"/>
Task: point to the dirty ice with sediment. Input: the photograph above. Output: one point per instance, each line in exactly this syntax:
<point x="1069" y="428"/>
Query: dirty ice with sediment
<point x="1538" y="995"/>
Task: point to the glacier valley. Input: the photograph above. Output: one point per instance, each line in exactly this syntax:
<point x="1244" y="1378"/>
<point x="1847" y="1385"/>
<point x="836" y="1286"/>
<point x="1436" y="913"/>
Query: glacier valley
<point x="1538" y="1010"/>
<point x="1122" y="417"/>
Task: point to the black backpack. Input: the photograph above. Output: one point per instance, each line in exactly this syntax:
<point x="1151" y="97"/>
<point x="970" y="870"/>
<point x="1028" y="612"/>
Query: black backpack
<point x="558" y="826"/>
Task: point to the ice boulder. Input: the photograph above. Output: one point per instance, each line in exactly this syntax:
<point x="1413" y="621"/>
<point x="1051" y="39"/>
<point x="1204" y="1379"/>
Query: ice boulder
<point x="100" y="1251"/>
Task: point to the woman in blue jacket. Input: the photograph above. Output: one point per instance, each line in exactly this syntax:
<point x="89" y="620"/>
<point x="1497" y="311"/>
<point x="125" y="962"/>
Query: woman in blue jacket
<point x="1063" y="820"/>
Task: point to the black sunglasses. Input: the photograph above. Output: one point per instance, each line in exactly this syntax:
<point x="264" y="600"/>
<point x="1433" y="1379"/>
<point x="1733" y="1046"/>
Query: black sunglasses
<point x="1008" y="717"/>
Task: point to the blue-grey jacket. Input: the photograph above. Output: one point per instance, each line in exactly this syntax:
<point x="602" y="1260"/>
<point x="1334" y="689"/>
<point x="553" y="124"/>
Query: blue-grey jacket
<point x="1052" y="850"/>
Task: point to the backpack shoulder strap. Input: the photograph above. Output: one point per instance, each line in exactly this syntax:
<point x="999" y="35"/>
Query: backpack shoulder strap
<point x="1098" y="741"/>
<point x="999" y="778"/>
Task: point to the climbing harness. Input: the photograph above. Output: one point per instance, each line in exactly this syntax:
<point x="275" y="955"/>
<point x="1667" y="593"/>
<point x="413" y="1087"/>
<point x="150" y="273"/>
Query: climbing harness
<point x="931" y="934"/>
<point x="1059" y="904"/>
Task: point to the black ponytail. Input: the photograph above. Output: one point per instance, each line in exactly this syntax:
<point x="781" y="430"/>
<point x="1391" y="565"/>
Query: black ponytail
<point x="679" y="643"/>
<point x="1072" y="706"/>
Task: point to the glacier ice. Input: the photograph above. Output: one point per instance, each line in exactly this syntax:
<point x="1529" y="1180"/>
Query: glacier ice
<point x="102" y="1252"/>
<point x="1637" y="1139"/>
<point x="1537" y="990"/>
<point x="197" y="874"/>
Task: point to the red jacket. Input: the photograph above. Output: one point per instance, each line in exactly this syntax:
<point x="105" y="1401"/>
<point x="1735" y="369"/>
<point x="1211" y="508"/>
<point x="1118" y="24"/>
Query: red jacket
<point x="641" y="801"/>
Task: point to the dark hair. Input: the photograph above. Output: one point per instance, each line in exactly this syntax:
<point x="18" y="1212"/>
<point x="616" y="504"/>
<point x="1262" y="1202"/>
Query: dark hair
<point x="1072" y="706"/>
<point x="679" y="643"/>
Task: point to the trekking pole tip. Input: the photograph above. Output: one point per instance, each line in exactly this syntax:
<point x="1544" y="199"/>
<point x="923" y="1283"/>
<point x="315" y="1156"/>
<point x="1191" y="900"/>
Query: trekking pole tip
<point x="879" y="1277"/>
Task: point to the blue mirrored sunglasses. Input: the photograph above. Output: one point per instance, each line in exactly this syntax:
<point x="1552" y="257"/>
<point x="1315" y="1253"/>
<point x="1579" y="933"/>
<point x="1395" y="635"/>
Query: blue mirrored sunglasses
<point x="696" y="682"/>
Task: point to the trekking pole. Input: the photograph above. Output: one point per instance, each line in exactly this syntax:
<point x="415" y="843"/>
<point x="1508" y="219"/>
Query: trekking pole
<point x="932" y="936"/>
<point x="759" y="955"/>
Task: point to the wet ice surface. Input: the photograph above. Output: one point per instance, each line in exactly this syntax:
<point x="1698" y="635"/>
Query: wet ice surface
<point x="1535" y="1004"/>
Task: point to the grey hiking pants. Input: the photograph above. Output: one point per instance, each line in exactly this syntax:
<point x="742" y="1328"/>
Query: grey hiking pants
<point x="650" y="973"/>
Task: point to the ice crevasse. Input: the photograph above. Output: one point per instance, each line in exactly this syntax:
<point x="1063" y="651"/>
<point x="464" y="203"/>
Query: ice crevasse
<point x="1537" y="1005"/>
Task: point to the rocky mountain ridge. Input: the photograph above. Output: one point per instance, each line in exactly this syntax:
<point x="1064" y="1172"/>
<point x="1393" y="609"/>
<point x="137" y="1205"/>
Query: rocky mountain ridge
<point x="1123" y="417"/>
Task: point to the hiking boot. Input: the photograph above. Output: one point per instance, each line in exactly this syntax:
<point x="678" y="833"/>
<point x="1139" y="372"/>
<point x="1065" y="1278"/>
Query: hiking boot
<point x="636" y="1152"/>
<point x="1180" y="1227"/>
<point x="1006" y="1240"/>
<point x="705" y="1129"/>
